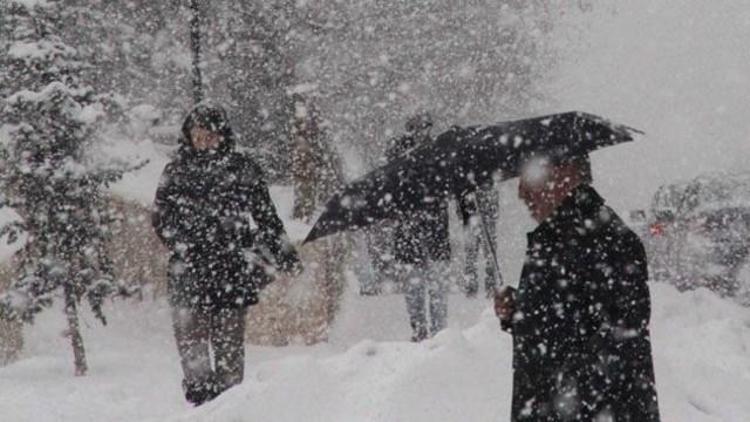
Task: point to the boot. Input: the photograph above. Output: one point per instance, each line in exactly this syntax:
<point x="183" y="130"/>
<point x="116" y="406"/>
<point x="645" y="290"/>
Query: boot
<point x="419" y="333"/>
<point x="199" y="392"/>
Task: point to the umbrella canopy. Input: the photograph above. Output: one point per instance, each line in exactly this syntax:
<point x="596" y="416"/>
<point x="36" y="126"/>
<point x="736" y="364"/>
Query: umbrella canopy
<point x="460" y="160"/>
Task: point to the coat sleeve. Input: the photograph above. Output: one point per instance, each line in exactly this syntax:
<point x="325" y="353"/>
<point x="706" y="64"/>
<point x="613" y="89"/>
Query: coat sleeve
<point x="271" y="233"/>
<point x="629" y="300"/>
<point x="618" y="296"/>
<point x="616" y="357"/>
<point x="507" y="325"/>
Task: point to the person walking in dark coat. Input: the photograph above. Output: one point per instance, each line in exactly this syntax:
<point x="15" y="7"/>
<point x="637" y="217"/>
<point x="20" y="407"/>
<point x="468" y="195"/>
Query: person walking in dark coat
<point x="217" y="263"/>
<point x="421" y="246"/>
<point x="580" y="316"/>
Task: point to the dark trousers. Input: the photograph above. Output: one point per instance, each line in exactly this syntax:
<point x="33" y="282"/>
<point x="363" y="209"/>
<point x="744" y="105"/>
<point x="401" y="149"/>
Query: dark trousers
<point x="476" y="239"/>
<point x="211" y="343"/>
<point x="484" y="217"/>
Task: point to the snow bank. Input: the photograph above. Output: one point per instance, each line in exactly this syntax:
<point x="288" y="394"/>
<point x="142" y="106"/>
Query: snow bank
<point x="133" y="370"/>
<point x="702" y="365"/>
<point x="702" y="356"/>
<point x="458" y="376"/>
<point x="701" y="345"/>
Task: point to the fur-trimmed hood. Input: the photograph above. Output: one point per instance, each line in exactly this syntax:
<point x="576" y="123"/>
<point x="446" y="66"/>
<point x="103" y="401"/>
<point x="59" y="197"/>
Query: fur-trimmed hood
<point x="210" y="116"/>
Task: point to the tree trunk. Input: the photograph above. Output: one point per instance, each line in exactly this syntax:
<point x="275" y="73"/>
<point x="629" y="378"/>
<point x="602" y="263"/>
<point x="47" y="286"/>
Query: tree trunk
<point x="71" y="311"/>
<point x="195" y="44"/>
<point x="303" y="177"/>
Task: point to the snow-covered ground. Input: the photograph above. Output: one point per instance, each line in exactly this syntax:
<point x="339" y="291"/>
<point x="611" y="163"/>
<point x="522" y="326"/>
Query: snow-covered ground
<point x="368" y="372"/>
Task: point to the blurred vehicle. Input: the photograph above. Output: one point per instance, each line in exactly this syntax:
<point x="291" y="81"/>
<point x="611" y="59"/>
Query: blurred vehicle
<point x="698" y="234"/>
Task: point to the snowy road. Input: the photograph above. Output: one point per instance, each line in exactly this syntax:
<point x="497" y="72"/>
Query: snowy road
<point x="367" y="372"/>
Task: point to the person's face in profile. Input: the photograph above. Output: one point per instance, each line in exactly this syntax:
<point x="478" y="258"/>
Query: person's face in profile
<point x="204" y="139"/>
<point x="534" y="189"/>
<point x="543" y="186"/>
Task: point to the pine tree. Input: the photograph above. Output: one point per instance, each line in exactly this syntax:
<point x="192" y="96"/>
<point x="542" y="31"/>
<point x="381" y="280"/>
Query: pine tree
<point x="48" y="118"/>
<point x="251" y="68"/>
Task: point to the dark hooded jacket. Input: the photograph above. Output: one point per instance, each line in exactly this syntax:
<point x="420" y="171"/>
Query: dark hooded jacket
<point x="205" y="207"/>
<point x="581" y="345"/>
<point x="422" y="234"/>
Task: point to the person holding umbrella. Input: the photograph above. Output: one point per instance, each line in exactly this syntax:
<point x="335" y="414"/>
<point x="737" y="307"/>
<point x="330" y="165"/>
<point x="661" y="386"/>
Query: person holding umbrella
<point x="420" y="242"/>
<point x="217" y="263"/>
<point x="580" y="315"/>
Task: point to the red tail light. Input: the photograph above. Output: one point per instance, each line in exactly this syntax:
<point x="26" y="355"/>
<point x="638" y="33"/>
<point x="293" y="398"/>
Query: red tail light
<point x="656" y="229"/>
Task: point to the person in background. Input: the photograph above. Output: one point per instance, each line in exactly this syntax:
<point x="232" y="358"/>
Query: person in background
<point x="317" y="170"/>
<point x="479" y="210"/>
<point x="580" y="315"/>
<point x="217" y="263"/>
<point x="421" y="245"/>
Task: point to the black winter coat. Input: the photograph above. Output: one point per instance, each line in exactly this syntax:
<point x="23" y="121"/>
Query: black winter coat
<point x="422" y="234"/>
<point x="202" y="211"/>
<point x="581" y="345"/>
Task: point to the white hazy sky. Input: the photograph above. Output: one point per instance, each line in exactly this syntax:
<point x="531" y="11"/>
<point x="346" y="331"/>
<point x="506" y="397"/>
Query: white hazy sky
<point x="677" y="69"/>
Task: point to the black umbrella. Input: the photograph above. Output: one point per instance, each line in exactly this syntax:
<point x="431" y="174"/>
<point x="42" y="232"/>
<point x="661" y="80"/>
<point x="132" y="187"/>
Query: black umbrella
<point x="460" y="160"/>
